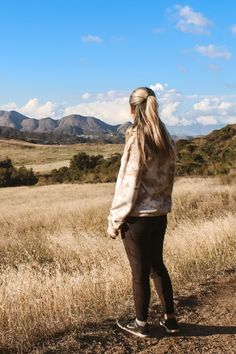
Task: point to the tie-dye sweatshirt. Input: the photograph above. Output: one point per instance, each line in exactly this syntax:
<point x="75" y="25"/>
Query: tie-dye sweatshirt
<point x="141" y="191"/>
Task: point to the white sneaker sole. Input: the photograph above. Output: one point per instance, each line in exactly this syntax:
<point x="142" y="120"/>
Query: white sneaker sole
<point x="169" y="330"/>
<point x="130" y="330"/>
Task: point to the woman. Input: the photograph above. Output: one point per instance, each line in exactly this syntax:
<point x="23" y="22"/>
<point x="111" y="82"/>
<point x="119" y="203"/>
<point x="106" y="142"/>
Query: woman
<point x="140" y="205"/>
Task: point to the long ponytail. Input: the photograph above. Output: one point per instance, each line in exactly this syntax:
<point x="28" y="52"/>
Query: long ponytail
<point x="151" y="131"/>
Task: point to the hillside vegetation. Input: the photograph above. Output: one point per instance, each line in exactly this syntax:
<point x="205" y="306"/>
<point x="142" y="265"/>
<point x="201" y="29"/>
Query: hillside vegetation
<point x="212" y="154"/>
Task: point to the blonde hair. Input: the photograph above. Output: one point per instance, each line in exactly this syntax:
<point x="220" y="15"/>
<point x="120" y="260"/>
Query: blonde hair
<point x="151" y="131"/>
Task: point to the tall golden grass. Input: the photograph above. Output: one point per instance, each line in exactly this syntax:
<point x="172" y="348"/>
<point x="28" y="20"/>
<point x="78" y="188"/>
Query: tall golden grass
<point x="60" y="270"/>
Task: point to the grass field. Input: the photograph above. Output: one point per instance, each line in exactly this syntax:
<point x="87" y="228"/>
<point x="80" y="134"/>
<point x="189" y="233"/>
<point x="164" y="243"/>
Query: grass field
<point x="60" y="270"/>
<point x="43" y="158"/>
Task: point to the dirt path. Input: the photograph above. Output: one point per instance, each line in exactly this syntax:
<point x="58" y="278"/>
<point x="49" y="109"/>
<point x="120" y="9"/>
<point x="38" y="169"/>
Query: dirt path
<point x="207" y="319"/>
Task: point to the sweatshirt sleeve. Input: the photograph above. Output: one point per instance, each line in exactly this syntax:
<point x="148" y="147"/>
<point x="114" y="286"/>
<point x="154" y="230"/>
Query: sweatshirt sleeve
<point x="127" y="185"/>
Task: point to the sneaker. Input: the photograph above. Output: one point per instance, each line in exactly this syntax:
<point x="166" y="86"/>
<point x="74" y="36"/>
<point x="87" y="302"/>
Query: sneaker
<point x="170" y="325"/>
<point x="134" y="328"/>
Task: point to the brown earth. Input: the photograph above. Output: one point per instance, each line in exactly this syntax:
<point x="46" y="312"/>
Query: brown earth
<point x="207" y="317"/>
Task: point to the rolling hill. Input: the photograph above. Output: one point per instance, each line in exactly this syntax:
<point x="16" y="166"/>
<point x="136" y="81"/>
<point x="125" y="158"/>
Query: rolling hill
<point x="214" y="153"/>
<point x="211" y="154"/>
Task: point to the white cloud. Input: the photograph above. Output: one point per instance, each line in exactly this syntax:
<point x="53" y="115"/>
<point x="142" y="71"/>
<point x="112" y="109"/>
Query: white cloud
<point x="206" y="104"/>
<point x="213" y="51"/>
<point x="158" y="87"/>
<point x="184" y="121"/>
<point x="191" y="21"/>
<point x="215" y="105"/>
<point x="168" y="113"/>
<point x="34" y="109"/>
<point x="175" y="108"/>
<point x="86" y="96"/>
<point x="113" y="107"/>
<point x="10" y="106"/>
<point x="205" y="120"/>
<point x="233" y="29"/>
<point x="91" y="38"/>
<point x="106" y="106"/>
<point x="226" y="105"/>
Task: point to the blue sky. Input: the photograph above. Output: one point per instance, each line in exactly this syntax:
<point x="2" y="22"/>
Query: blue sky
<point x="63" y="56"/>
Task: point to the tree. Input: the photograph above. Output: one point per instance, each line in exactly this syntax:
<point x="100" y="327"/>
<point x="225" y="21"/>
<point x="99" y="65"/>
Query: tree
<point x="11" y="176"/>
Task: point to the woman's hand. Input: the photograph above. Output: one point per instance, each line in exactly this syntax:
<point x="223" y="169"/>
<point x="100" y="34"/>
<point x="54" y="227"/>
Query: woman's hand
<point x="113" y="234"/>
<point x="112" y="231"/>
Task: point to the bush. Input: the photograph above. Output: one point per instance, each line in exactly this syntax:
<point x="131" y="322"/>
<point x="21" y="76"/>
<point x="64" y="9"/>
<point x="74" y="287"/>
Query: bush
<point x="88" y="169"/>
<point x="11" y="176"/>
<point x="85" y="162"/>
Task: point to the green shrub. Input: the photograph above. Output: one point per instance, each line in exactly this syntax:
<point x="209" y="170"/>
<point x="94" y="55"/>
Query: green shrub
<point x="11" y="176"/>
<point x="86" y="168"/>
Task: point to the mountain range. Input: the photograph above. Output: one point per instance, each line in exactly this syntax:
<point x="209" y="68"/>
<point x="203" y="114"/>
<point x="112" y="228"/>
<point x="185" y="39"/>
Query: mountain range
<point x="15" y="124"/>
<point x="71" y="124"/>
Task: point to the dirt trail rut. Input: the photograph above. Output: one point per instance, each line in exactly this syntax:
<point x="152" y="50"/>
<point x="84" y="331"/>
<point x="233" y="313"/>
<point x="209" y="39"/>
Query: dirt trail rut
<point x="207" y="317"/>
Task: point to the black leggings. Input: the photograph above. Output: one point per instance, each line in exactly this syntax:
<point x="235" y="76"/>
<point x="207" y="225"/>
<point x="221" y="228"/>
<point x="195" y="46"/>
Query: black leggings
<point x="143" y="239"/>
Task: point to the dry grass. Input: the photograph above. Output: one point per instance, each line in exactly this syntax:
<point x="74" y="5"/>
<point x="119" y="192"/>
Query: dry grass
<point x="59" y="270"/>
<point x="48" y="167"/>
